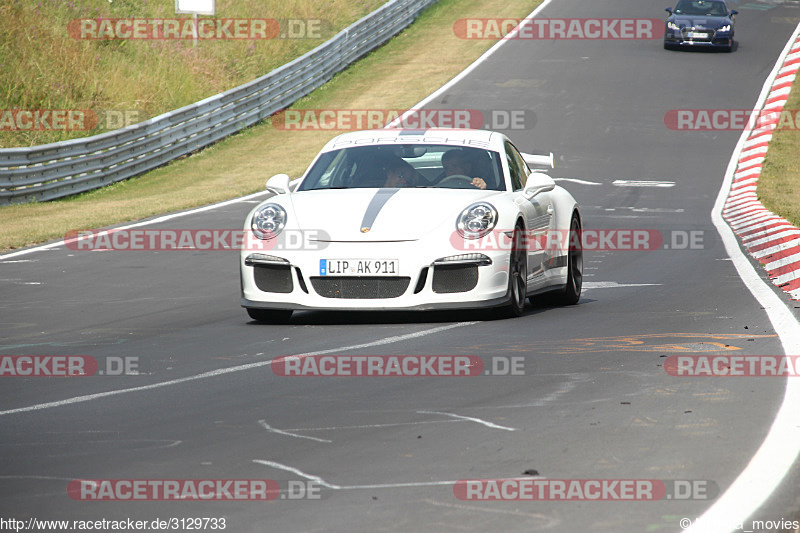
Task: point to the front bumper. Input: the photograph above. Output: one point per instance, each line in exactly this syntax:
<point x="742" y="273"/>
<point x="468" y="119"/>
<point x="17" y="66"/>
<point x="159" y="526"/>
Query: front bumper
<point x="710" y="38"/>
<point x="292" y="280"/>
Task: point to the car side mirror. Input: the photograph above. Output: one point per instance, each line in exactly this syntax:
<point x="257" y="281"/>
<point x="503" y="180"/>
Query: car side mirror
<point x="669" y="10"/>
<point x="734" y="12"/>
<point x="538" y="182"/>
<point x="279" y="184"/>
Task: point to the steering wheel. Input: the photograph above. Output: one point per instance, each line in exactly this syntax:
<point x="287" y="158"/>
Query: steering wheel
<point x="459" y="180"/>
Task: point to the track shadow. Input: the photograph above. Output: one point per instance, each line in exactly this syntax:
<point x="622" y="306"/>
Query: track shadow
<point x="702" y="49"/>
<point x="336" y="318"/>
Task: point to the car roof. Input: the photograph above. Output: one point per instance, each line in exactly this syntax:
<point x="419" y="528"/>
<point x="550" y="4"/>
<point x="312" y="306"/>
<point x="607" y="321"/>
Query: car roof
<point x="455" y="137"/>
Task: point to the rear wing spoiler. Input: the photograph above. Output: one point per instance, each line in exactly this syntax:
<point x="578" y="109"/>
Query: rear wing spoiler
<point x="540" y="160"/>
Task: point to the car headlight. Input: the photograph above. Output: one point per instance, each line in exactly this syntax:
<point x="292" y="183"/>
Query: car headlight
<point x="671" y="25"/>
<point x="268" y="221"/>
<point x="477" y="220"/>
<point x="726" y="27"/>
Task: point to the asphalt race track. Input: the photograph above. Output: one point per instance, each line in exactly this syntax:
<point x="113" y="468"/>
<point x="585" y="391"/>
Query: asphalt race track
<point x="593" y="402"/>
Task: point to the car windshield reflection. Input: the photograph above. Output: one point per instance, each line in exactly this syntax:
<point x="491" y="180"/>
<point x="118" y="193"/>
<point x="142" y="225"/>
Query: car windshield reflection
<point x="406" y="166"/>
<point x="703" y="8"/>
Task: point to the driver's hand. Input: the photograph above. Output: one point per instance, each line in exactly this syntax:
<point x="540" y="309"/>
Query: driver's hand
<point x="479" y="183"/>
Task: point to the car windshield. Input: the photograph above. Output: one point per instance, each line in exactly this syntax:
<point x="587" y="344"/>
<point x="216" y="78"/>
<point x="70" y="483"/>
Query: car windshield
<point x="702" y="8"/>
<point x="406" y="166"/>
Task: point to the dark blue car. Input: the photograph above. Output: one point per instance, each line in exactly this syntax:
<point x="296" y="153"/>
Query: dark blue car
<point x="700" y="23"/>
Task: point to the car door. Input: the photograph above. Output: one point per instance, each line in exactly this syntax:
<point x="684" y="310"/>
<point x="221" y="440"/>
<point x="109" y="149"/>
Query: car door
<point x="538" y="211"/>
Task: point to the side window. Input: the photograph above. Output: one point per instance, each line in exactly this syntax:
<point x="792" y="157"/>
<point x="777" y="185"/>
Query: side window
<point x="516" y="166"/>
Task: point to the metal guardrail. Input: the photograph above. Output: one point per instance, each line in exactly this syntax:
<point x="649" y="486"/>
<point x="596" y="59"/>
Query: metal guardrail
<point x="64" y="168"/>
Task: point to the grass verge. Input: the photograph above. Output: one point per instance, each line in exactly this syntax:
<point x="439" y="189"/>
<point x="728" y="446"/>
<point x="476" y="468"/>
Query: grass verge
<point x="779" y="184"/>
<point x="397" y="76"/>
<point x="52" y="65"/>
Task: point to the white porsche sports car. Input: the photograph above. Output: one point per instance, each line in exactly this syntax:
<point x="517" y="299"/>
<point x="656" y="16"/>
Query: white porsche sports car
<point x="412" y="220"/>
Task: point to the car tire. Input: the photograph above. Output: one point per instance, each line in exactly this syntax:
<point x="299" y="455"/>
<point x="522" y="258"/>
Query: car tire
<point x="270" y="316"/>
<point x="517" y="277"/>
<point x="572" y="290"/>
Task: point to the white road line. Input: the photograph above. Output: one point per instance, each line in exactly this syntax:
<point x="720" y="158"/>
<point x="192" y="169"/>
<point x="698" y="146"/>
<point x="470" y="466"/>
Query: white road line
<point x="156" y="220"/>
<point x="293" y="470"/>
<point x="287" y="468"/>
<point x="589" y="285"/>
<point x="642" y="183"/>
<point x="373" y="426"/>
<point x="471" y="419"/>
<point x="39" y="477"/>
<point x="779" y="450"/>
<point x="576" y="180"/>
<point x="271" y="429"/>
<point x="400" y="485"/>
<point x="223" y="371"/>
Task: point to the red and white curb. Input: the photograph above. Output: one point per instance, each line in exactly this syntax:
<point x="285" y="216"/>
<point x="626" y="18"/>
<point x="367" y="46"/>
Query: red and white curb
<point x="769" y="238"/>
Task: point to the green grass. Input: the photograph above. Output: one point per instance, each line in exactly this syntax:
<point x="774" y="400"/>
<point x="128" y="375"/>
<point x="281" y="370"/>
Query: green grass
<point x="46" y="68"/>
<point x="396" y="76"/>
<point x="779" y="184"/>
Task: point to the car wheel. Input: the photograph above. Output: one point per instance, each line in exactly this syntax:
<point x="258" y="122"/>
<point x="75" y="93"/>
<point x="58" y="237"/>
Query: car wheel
<point x="271" y="316"/>
<point x="517" y="277"/>
<point x="572" y="291"/>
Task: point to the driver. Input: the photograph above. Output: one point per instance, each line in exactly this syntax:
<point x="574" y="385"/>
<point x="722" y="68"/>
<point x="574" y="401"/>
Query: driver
<point x="399" y="174"/>
<point x="457" y="163"/>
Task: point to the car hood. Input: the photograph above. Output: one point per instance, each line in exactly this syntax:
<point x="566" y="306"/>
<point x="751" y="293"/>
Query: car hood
<point x="371" y="215"/>
<point x="700" y="22"/>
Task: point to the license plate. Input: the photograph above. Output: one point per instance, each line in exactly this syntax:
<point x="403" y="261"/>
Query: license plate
<point x="359" y="267"/>
<point x="697" y="35"/>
